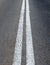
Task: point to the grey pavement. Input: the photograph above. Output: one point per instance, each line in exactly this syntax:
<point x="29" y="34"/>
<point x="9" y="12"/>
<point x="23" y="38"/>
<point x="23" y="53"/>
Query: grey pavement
<point x="8" y="31"/>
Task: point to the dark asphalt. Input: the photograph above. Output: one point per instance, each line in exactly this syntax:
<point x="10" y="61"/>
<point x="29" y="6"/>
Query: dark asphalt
<point x="40" y="25"/>
<point x="40" y="20"/>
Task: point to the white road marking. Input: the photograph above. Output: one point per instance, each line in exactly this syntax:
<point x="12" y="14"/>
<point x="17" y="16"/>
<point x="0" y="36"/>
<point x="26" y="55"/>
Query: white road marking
<point x="29" y="44"/>
<point x="18" y="46"/>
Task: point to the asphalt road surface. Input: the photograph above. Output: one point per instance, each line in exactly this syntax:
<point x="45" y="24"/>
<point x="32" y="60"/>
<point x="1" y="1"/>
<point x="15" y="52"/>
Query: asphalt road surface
<point x="24" y="32"/>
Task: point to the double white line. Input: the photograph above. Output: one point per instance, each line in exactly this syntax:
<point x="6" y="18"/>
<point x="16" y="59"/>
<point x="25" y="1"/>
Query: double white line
<point x="29" y="43"/>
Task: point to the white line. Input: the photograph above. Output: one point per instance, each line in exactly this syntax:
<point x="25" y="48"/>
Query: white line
<point x="29" y="44"/>
<point x="18" y="46"/>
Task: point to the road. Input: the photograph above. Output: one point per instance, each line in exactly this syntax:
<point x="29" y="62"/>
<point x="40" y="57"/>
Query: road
<point x="24" y="32"/>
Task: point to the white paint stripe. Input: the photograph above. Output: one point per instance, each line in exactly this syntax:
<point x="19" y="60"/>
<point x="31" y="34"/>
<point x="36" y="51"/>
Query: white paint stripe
<point x="18" y="46"/>
<point x="29" y="44"/>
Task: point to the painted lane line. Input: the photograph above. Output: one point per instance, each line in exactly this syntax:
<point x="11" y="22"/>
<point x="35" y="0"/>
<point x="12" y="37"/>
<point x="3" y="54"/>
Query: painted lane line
<point x="18" y="45"/>
<point x="29" y="42"/>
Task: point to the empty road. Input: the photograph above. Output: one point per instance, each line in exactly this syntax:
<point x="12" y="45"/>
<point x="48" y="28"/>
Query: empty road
<point x="24" y="32"/>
